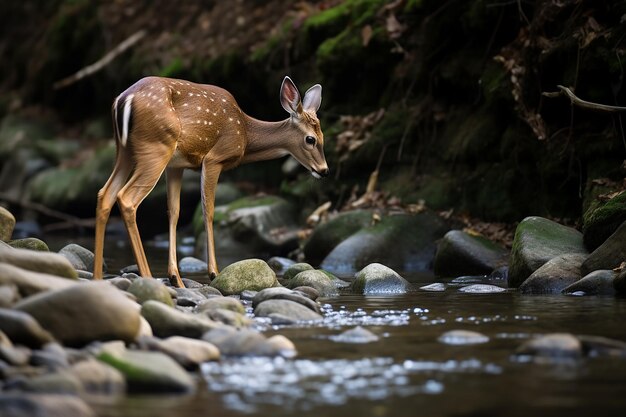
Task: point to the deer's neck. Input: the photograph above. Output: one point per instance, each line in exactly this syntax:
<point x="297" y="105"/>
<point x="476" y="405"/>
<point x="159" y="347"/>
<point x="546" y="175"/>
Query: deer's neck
<point x="266" y="140"/>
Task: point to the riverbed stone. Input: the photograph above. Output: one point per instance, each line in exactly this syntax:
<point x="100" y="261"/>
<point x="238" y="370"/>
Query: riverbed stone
<point x="609" y="254"/>
<point x="247" y="342"/>
<point x="279" y="264"/>
<point x="30" y="243"/>
<point x="146" y="289"/>
<point x="376" y="278"/>
<point x="22" y="328"/>
<point x="99" y="378"/>
<point x="228" y="317"/>
<point x="84" y="313"/>
<point x="595" y="283"/>
<point x="599" y="346"/>
<point x="554" y="275"/>
<point x="30" y="282"/>
<point x="307" y="291"/>
<point x="7" y="223"/>
<point x="80" y="257"/>
<point x="286" y="308"/>
<point x="189" y="297"/>
<point x="405" y="242"/>
<point x="462" y="253"/>
<point x="602" y="219"/>
<point x="149" y="372"/>
<point x="37" y="261"/>
<point x="58" y="382"/>
<point x="18" y="404"/>
<point x="481" y="289"/>
<point x="120" y="282"/>
<point x="227" y="303"/>
<point x="295" y="269"/>
<point x="537" y="240"/>
<point x="249" y="274"/>
<point x="189" y="353"/>
<point x="280" y="293"/>
<point x="462" y="337"/>
<point x="434" y="287"/>
<point x="317" y="279"/>
<point x="357" y="334"/>
<point x="619" y="283"/>
<point x="192" y="266"/>
<point x="50" y="356"/>
<point x="552" y="346"/>
<point x="167" y="321"/>
<point x="327" y="236"/>
<point x="9" y="295"/>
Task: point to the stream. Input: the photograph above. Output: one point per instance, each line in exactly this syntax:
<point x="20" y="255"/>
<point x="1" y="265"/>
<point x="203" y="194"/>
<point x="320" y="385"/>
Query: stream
<point x="408" y="371"/>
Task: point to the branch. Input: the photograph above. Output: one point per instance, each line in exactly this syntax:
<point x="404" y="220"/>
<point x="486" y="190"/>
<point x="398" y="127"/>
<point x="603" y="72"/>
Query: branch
<point x="580" y="102"/>
<point x="47" y="211"/>
<point x="102" y="62"/>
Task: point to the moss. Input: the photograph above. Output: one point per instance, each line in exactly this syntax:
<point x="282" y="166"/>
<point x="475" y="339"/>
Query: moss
<point x="173" y="69"/>
<point x="31" y="243"/>
<point x="602" y="219"/>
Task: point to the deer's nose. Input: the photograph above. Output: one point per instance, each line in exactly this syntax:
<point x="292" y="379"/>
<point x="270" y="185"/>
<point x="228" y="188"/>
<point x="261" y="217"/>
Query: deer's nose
<point x="324" y="172"/>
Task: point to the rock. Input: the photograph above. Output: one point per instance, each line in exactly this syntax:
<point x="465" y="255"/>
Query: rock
<point x="286" y="308"/>
<point x="317" y="279"/>
<point x="209" y="291"/>
<point x="609" y="254"/>
<point x="602" y="219"/>
<point x="9" y="295"/>
<point x="481" y="289"/>
<point x="598" y="346"/>
<point x="462" y="337"/>
<point x="119" y="282"/>
<point x="554" y="275"/>
<point x="295" y="269"/>
<point x="338" y="283"/>
<point x="226" y="303"/>
<point x="37" y="261"/>
<point x="30" y="243"/>
<point x="248" y="295"/>
<point x="84" y="313"/>
<point x="51" y="356"/>
<point x="192" y="284"/>
<point x="280" y="293"/>
<point x="228" y="317"/>
<point x="537" y="240"/>
<point x="434" y="287"/>
<point x="460" y="253"/>
<point x="189" y="353"/>
<point x="30" y="282"/>
<point x="280" y="264"/>
<point x="327" y="236"/>
<point x="249" y="274"/>
<point x="23" y="329"/>
<point x="619" y="283"/>
<point x="80" y="258"/>
<point x="192" y="266"/>
<point x="98" y="378"/>
<point x="405" y="242"/>
<point x="552" y="346"/>
<point x="15" y="404"/>
<point x="309" y="292"/>
<point x="149" y="371"/>
<point x="596" y="283"/>
<point x="188" y="297"/>
<point x="379" y="279"/>
<point x="355" y="335"/>
<point x="7" y="223"/>
<point x="146" y="289"/>
<point x="167" y="321"/>
<point x="247" y="342"/>
<point x="13" y="355"/>
<point x="59" y="382"/>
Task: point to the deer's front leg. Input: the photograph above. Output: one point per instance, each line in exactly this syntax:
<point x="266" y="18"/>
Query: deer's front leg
<point x="174" y="179"/>
<point x="210" y="174"/>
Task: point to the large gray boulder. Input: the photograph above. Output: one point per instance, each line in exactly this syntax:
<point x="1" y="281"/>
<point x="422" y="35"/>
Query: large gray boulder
<point x="609" y="254"/>
<point x="249" y="274"/>
<point x="460" y="253"/>
<point x="595" y="283"/>
<point x="379" y="279"/>
<point x="84" y="313"/>
<point x="537" y="240"/>
<point x="405" y="242"/>
<point x="555" y="275"/>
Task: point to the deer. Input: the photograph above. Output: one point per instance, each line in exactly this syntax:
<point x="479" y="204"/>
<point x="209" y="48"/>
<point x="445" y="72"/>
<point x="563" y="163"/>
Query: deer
<point x="169" y="125"/>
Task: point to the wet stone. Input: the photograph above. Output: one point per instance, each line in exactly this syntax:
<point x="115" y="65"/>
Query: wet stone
<point x="192" y="284"/>
<point x="226" y="303"/>
<point x="309" y="292"/>
<point x="286" y="308"/>
<point x="482" y="289"/>
<point x="434" y="287"/>
<point x="596" y="283"/>
<point x="15" y="404"/>
<point x="357" y="334"/>
<point x="462" y="337"/>
<point x="284" y="294"/>
<point x="191" y="265"/>
<point x="188" y="297"/>
<point x="120" y="282"/>
<point x="280" y="264"/>
<point x="552" y="346"/>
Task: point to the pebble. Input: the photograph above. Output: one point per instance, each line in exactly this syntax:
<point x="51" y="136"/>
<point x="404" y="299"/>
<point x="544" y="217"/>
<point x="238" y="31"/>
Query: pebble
<point x="462" y="337"/>
<point x="482" y="289"/>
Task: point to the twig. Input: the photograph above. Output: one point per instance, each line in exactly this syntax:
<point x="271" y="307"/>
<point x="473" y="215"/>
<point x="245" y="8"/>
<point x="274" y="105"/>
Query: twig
<point x="66" y="218"/>
<point x="582" y="103"/>
<point x="102" y="62"/>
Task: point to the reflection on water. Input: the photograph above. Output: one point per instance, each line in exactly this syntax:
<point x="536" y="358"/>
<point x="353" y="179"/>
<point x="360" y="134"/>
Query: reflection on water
<point x="408" y="371"/>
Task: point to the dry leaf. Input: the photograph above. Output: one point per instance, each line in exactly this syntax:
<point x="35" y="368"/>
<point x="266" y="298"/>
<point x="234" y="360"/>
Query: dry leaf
<point x="366" y="34"/>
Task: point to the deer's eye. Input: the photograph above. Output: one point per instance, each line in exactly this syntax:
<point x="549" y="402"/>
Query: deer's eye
<point x="310" y="140"/>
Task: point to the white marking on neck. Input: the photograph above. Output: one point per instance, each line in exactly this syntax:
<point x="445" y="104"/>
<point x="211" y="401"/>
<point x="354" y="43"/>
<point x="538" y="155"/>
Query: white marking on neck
<point x="126" y="121"/>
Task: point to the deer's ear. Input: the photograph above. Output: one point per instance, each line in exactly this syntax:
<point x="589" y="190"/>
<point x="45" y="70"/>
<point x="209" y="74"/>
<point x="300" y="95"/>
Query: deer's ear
<point x="290" y="97"/>
<point x="312" y="98"/>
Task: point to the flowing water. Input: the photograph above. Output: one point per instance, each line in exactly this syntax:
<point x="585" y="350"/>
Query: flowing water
<point x="408" y="371"/>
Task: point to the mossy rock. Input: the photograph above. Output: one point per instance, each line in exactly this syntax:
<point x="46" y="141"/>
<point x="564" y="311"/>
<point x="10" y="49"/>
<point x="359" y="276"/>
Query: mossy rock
<point x="316" y="279"/>
<point x="295" y="269"/>
<point x="146" y="289"/>
<point x="7" y="224"/>
<point x="31" y="243"/>
<point x="602" y="219"/>
<point x="460" y="253"/>
<point x="328" y="235"/>
<point x="249" y="274"/>
<point x="538" y="240"/>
